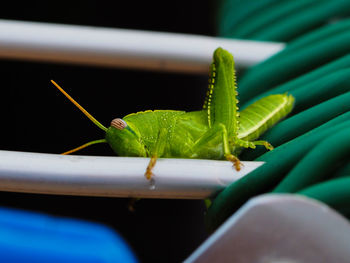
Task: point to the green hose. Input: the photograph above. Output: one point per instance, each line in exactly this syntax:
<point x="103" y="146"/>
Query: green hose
<point x="318" y="164"/>
<point x="285" y="66"/>
<point x="315" y="91"/>
<point x="228" y="22"/>
<point x="276" y="20"/>
<point x="265" y="178"/>
<point x="343" y="171"/>
<point x="313" y="142"/>
<point x="264" y="18"/>
<point x="298" y="23"/>
<point x="313" y="37"/>
<point x="334" y="193"/>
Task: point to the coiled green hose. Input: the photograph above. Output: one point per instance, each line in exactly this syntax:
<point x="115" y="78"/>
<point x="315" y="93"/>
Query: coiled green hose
<point x="313" y="144"/>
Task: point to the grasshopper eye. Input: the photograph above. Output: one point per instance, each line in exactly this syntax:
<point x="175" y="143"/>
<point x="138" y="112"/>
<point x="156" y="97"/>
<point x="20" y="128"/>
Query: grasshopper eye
<point x="119" y="124"/>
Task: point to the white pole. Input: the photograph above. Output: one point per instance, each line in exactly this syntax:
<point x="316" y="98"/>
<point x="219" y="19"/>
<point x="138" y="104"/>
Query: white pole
<point x="123" y="48"/>
<point x="115" y="176"/>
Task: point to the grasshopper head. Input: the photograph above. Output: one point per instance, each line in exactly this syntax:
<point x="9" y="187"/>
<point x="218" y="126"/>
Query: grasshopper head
<point x="124" y="140"/>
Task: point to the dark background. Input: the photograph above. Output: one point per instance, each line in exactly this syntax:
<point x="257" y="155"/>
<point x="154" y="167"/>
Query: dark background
<point x="37" y="118"/>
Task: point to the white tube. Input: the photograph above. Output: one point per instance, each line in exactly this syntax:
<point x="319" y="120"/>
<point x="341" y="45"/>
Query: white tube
<point x="115" y="176"/>
<point x="123" y="48"/>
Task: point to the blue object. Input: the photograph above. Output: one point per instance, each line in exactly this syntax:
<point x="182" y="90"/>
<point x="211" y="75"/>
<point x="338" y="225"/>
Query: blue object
<point x="32" y="237"/>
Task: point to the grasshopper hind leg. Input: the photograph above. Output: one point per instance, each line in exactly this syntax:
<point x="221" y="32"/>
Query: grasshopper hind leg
<point x="253" y="144"/>
<point x="212" y="134"/>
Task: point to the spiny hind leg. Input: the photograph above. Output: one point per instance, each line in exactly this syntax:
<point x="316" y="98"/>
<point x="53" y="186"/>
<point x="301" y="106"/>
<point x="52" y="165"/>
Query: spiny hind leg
<point x="253" y="144"/>
<point x="213" y="133"/>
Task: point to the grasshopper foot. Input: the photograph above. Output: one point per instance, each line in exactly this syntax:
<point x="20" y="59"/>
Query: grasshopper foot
<point x="268" y="146"/>
<point x="236" y="162"/>
<point x="151" y="164"/>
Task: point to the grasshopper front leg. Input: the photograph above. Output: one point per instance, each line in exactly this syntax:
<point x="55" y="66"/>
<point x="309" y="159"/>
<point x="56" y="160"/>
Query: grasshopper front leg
<point x="157" y="151"/>
<point x="151" y="164"/>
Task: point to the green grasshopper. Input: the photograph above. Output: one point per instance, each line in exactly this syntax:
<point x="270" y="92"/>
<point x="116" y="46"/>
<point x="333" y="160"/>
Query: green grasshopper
<point x="218" y="131"/>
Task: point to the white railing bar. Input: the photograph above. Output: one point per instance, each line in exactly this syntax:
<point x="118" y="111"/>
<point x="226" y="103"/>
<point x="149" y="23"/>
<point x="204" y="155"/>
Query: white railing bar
<point x="113" y="47"/>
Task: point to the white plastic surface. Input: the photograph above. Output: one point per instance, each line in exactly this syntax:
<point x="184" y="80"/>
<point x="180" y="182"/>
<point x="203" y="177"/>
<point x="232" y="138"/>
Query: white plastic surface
<point x="115" y="176"/>
<point x="123" y="48"/>
<point x="279" y="228"/>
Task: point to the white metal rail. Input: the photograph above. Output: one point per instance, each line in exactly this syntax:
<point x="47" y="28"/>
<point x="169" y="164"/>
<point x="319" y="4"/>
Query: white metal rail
<point x="115" y="176"/>
<point x="123" y="48"/>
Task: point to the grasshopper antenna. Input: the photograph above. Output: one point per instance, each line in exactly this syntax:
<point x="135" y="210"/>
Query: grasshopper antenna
<point x="84" y="146"/>
<point x="98" y="124"/>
